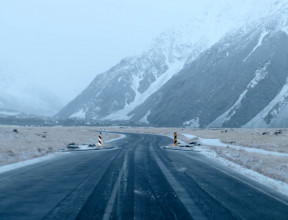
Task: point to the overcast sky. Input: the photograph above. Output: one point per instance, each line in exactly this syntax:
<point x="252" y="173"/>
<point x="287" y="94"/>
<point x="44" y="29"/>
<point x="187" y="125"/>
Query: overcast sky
<point x="63" y="44"/>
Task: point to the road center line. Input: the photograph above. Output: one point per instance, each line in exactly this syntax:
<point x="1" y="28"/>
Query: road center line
<point x="179" y="190"/>
<point x="115" y="190"/>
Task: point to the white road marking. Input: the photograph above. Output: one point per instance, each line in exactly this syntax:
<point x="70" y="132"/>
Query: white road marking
<point x="115" y="190"/>
<point x="179" y="190"/>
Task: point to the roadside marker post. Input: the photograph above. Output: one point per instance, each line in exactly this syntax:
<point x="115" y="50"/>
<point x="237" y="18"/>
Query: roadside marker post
<point x="100" y="140"/>
<point x="175" y="138"/>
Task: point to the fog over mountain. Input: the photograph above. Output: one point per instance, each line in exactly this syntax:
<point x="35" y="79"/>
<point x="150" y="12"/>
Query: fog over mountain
<point x="233" y="76"/>
<point x="47" y="60"/>
<point x="19" y="94"/>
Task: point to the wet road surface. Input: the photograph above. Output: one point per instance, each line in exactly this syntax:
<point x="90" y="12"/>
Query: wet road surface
<point x="136" y="180"/>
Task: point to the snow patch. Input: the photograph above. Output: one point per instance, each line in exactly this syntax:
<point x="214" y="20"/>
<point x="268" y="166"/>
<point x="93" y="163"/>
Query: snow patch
<point x="193" y="123"/>
<point x="259" y="43"/>
<point x="260" y="74"/>
<point x="145" y="118"/>
<point x="135" y="83"/>
<point x="189" y="136"/>
<point x="274" y="107"/>
<point x="80" y="114"/>
<point x="142" y="97"/>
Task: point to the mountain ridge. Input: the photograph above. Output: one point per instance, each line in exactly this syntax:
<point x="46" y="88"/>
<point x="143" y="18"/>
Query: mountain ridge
<point x="181" y="83"/>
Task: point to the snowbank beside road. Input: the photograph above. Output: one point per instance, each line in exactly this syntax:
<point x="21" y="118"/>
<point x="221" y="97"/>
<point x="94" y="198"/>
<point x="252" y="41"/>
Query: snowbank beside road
<point x="265" y="167"/>
<point x="238" y="158"/>
<point x="17" y="165"/>
<point x="279" y="186"/>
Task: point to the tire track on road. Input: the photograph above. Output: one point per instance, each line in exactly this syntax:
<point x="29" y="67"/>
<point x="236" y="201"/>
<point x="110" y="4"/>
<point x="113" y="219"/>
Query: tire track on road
<point x="116" y="188"/>
<point x="70" y="206"/>
<point x="182" y="194"/>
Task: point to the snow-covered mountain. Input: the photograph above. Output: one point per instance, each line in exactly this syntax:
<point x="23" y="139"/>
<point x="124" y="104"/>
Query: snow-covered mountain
<point x="114" y="94"/>
<point x="17" y="94"/>
<point x="240" y="81"/>
<point x="188" y="77"/>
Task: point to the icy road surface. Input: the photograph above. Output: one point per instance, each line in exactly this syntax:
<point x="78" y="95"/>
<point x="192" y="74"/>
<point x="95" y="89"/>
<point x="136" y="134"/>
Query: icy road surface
<point x="136" y="180"/>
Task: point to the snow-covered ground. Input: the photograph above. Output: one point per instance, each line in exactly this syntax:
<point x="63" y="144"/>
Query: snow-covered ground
<point x="218" y="143"/>
<point x="34" y="142"/>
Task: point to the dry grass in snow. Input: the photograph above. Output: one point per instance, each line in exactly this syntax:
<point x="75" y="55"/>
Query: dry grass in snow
<point x="252" y="138"/>
<point x="31" y="142"/>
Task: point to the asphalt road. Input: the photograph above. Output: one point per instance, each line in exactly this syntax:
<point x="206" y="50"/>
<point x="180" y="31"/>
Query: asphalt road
<point x="135" y="180"/>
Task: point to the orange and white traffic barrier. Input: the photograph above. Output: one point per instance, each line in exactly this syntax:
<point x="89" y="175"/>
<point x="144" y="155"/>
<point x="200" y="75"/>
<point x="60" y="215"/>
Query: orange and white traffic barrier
<point x="175" y="138"/>
<point x="100" y="140"/>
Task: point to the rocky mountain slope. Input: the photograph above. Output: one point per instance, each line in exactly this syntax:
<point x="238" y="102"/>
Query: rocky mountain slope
<point x="114" y="94"/>
<point x="239" y="81"/>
